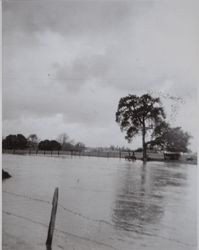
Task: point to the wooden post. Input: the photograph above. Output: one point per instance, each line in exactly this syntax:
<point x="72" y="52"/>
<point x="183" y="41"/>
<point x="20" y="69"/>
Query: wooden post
<point x="120" y="154"/>
<point x="52" y="220"/>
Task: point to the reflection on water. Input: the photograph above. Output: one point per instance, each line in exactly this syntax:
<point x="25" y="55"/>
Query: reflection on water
<point x="167" y="177"/>
<point x="142" y="195"/>
<point x="135" y="205"/>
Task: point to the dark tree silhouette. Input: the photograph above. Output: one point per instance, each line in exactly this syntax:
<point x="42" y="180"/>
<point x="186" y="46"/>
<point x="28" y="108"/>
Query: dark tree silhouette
<point x="15" y="142"/>
<point x="171" y="139"/>
<point x="21" y="142"/>
<point x="47" y="145"/>
<point x="54" y="145"/>
<point x="44" y="145"/>
<point x="139" y="114"/>
<point x="10" y="142"/>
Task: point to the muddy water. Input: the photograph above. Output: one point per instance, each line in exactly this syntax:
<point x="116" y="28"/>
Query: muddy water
<point x="103" y="204"/>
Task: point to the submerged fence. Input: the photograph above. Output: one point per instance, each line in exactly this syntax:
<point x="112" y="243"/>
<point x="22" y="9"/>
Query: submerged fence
<point x="105" y="154"/>
<point x="158" y="156"/>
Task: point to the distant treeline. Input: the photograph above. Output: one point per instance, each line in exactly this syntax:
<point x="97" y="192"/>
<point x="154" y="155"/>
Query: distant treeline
<point x="62" y="143"/>
<point x="19" y="141"/>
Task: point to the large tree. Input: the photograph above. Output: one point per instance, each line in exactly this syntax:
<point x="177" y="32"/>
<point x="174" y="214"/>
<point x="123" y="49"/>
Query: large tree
<point x="139" y="114"/>
<point x="170" y="139"/>
<point x="65" y="142"/>
<point x="63" y="138"/>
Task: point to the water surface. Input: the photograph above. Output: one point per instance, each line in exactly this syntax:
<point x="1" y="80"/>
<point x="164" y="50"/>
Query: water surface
<point x="103" y="204"/>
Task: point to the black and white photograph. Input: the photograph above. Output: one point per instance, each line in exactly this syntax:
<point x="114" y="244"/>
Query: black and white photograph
<point x="99" y="124"/>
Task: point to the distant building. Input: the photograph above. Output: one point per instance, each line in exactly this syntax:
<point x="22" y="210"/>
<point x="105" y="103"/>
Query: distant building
<point x="171" y="155"/>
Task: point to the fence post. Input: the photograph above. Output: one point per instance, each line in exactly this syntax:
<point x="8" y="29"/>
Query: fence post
<point x="52" y="220"/>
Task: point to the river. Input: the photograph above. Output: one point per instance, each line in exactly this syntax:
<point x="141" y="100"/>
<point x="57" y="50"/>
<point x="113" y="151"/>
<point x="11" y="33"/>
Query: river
<point x="104" y="204"/>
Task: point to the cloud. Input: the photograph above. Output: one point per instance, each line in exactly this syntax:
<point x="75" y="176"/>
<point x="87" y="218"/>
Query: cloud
<point x="83" y="69"/>
<point x="66" y="17"/>
<point x="75" y="59"/>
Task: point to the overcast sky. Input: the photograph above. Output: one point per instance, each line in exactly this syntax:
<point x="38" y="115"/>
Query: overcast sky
<point x="67" y="63"/>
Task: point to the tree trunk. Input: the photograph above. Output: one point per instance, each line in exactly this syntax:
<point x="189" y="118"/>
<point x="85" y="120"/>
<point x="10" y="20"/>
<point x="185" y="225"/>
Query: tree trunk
<point x="143" y="142"/>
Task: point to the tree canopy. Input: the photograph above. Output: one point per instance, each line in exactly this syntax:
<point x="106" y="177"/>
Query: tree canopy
<point x="19" y="141"/>
<point x="49" y="145"/>
<point x="15" y="142"/>
<point x="171" y="139"/>
<point x="137" y="115"/>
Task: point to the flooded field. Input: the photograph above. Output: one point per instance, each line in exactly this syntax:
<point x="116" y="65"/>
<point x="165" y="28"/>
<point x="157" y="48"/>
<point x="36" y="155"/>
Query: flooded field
<point x="103" y="204"/>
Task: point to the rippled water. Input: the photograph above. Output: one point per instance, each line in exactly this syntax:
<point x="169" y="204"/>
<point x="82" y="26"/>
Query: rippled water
<point x="103" y="204"/>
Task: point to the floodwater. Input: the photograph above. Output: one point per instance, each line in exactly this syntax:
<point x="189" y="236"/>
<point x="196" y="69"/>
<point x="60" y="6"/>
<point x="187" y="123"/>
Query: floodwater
<point x="104" y="204"/>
